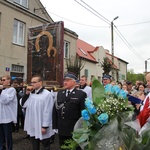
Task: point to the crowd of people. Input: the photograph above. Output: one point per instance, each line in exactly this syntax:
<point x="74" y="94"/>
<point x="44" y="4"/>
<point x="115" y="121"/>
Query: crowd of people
<point x="44" y="113"/>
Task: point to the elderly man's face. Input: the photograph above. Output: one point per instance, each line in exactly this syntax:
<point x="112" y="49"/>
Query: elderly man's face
<point x="69" y="83"/>
<point x="106" y="81"/>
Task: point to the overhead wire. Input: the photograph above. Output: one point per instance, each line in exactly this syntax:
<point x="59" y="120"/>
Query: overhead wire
<point x="119" y="33"/>
<point x="127" y="43"/>
<point x="134" y="24"/>
<point x="77" y="22"/>
<point x="94" y="25"/>
<point x="95" y="12"/>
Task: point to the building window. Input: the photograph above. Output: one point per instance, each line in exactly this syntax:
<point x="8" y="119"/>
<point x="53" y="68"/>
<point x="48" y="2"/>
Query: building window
<point x="92" y="76"/>
<point x="99" y="62"/>
<point x="119" y="66"/>
<point x="99" y="78"/>
<point x="18" y="32"/>
<point x="22" y="2"/>
<point x="121" y="76"/>
<point x="66" y="49"/>
<point x="86" y="72"/>
<point x="17" y="68"/>
<point x="0" y="19"/>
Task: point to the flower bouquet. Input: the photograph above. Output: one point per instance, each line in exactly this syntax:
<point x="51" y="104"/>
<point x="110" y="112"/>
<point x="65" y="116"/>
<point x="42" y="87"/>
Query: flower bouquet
<point x="101" y="121"/>
<point x="102" y="125"/>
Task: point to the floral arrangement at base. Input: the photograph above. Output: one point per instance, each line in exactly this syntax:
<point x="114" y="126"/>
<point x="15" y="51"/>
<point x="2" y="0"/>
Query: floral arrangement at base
<point x="102" y="125"/>
<point x="101" y="121"/>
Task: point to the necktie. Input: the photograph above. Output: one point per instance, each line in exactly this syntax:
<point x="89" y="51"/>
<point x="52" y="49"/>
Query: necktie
<point x="68" y="93"/>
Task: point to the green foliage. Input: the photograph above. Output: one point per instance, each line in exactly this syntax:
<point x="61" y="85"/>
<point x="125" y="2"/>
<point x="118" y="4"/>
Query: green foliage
<point x="132" y="141"/>
<point x="69" y="145"/>
<point x="75" y="65"/>
<point x="131" y="76"/>
<point x="98" y="91"/>
<point x="106" y="65"/>
<point x="81" y="134"/>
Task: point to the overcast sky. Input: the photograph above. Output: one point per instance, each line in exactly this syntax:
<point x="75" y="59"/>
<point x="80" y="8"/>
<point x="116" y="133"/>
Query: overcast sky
<point x="131" y="31"/>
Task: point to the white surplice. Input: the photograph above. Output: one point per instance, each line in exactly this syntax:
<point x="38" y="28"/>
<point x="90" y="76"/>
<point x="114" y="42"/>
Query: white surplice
<point x="88" y="91"/>
<point x="39" y="114"/>
<point x="8" y="106"/>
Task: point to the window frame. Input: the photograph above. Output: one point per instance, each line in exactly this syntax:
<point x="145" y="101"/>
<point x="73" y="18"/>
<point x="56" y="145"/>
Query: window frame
<point x="17" y="68"/>
<point x="66" y="50"/>
<point x="18" y="35"/>
<point x="99" y="62"/>
<point x="20" y="2"/>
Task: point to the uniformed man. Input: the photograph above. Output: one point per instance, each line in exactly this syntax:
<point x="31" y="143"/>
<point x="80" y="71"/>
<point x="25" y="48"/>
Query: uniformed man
<point x="106" y="79"/>
<point x="67" y="108"/>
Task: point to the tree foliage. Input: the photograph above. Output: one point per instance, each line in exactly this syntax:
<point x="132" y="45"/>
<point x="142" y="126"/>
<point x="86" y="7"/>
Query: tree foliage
<point x="75" y="64"/>
<point x="131" y="76"/>
<point x="106" y="65"/>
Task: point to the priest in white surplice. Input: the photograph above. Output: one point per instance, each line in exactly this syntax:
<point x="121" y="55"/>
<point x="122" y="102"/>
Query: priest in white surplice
<point x="38" y="117"/>
<point x="84" y="87"/>
<point x="8" y="112"/>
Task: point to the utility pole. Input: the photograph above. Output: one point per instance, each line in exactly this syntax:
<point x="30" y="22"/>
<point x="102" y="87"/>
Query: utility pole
<point x="146" y="65"/>
<point x="112" y="45"/>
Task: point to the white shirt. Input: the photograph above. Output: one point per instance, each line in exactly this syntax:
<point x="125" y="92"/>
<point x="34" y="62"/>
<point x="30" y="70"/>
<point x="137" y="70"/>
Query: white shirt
<point x="8" y="105"/>
<point x="88" y="91"/>
<point x="39" y="114"/>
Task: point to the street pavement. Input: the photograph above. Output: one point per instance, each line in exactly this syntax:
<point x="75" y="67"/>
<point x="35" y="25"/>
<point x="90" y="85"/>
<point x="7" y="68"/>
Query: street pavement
<point x="22" y="143"/>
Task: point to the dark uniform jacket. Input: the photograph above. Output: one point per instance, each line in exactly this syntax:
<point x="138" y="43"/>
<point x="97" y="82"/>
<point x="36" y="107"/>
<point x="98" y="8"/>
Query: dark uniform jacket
<point x="67" y="111"/>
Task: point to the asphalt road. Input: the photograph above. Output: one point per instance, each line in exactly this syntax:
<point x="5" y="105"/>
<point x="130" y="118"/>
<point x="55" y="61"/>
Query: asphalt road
<point x="19" y="143"/>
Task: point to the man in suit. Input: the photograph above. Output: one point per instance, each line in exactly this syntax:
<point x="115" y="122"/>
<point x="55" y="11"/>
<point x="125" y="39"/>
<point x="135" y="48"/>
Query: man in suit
<point x="67" y="108"/>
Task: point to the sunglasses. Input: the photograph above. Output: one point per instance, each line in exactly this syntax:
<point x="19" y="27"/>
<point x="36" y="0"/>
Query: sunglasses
<point x="3" y="80"/>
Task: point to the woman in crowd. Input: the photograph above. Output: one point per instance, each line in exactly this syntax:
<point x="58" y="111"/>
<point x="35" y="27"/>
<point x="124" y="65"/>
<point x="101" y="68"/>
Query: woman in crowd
<point x="141" y="91"/>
